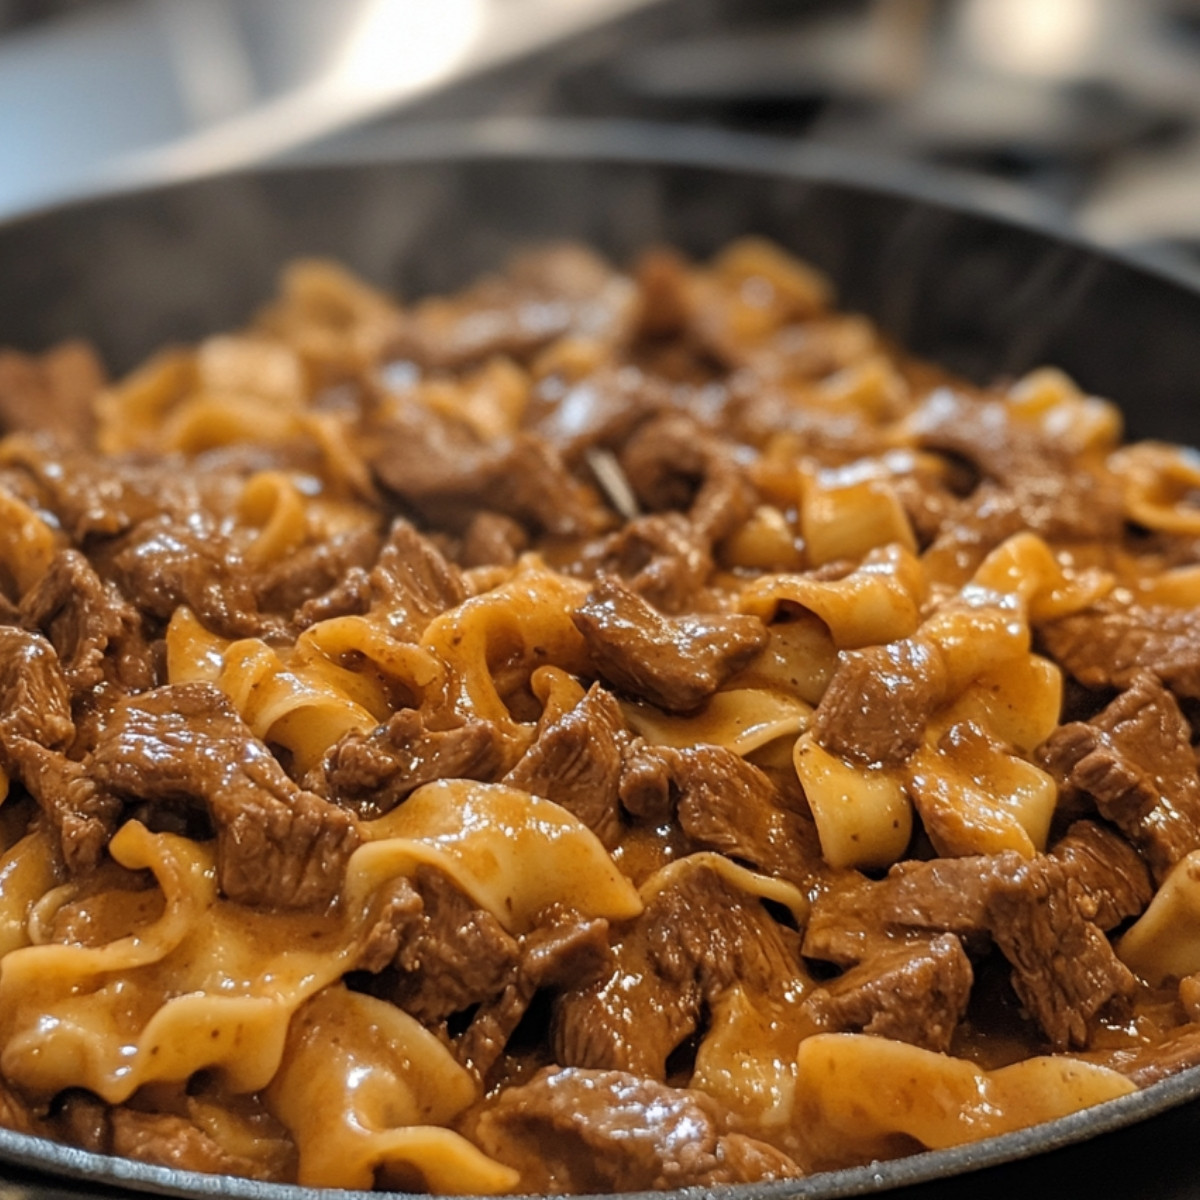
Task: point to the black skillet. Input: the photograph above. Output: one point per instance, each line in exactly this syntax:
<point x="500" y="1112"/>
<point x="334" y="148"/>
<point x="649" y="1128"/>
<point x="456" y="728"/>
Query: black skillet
<point x="985" y="296"/>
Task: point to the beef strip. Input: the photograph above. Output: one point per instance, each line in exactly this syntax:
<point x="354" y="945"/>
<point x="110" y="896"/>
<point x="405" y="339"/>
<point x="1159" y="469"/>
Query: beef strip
<point x="577" y="1131"/>
<point x="1109" y="870"/>
<point x="95" y="632"/>
<point x="1055" y="497"/>
<point x="1064" y="969"/>
<point x="370" y="773"/>
<point x="184" y="744"/>
<point x="972" y="529"/>
<point x="1135" y="760"/>
<point x="349" y="597"/>
<point x="645" y="788"/>
<point x="492" y="539"/>
<point x="661" y="557"/>
<point x="543" y="294"/>
<point x="673" y="463"/>
<point x="726" y="804"/>
<point x="697" y="937"/>
<point x="35" y="727"/>
<point x="52" y="393"/>
<point x="879" y="701"/>
<point x="674" y="662"/>
<point x="445" y="470"/>
<point x="1036" y="912"/>
<point x="459" y="955"/>
<point x="451" y="958"/>
<point x="576" y="762"/>
<point x="1110" y="645"/>
<point x="314" y="570"/>
<point x="915" y="992"/>
<point x="412" y="582"/>
<point x="165" y="562"/>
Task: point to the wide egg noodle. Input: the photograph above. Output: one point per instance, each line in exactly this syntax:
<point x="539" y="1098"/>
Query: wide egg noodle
<point x="364" y="1087"/>
<point x="856" y="1090"/>
<point x="484" y="836"/>
<point x="28" y="870"/>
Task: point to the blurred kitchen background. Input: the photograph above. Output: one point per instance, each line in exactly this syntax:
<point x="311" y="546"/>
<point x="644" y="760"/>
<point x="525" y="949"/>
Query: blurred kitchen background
<point x="1086" y="111"/>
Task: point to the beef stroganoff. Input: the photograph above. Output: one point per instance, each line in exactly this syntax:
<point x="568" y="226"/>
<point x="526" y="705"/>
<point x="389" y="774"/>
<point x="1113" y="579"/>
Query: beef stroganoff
<point x="596" y="731"/>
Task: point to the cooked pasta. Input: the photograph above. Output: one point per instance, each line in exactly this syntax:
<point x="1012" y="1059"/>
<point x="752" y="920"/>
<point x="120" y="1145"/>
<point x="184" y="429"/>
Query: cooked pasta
<point x="596" y="731"/>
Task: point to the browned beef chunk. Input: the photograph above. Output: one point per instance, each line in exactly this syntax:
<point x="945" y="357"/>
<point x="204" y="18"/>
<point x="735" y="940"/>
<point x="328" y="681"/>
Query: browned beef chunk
<point x="412" y="582"/>
<point x="579" y="1131"/>
<point x="1135" y="760"/>
<point x="661" y="557"/>
<point x="1036" y="912"/>
<point x="165" y="563"/>
<point x="492" y="539"/>
<point x="1055" y="497"/>
<point x="727" y="804"/>
<point x="696" y="938"/>
<point x="565" y="950"/>
<point x="371" y="773"/>
<point x="600" y="410"/>
<point x="673" y="463"/>
<point x="86" y="621"/>
<point x="1108" y="869"/>
<point x="171" y="1140"/>
<point x="350" y="596"/>
<point x="674" y="662"/>
<point x="35" y="726"/>
<point x="1064" y="969"/>
<point x="35" y="703"/>
<point x="916" y="992"/>
<point x="448" y="472"/>
<point x="313" y="571"/>
<point x="879" y="701"/>
<point x="459" y="956"/>
<point x="52" y="393"/>
<point x="1110" y="645"/>
<point x="184" y="744"/>
<point x="857" y="917"/>
<point x="452" y="957"/>
<point x="971" y="530"/>
<point x="645" y="787"/>
<point x="542" y="295"/>
<point x="576" y="762"/>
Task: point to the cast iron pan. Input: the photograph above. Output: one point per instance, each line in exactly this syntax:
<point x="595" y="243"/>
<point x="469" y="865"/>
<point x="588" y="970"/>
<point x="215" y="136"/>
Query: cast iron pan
<point x="985" y="296"/>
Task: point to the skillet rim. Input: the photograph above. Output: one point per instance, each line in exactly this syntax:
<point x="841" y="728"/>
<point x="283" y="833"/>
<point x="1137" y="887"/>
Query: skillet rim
<point x="646" y="145"/>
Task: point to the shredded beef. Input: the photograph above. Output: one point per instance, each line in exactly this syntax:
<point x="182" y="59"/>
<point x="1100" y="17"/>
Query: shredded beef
<point x="371" y="773"/>
<point x="879" y="701"/>
<point x="915" y="992"/>
<point x="576" y="762"/>
<point x="1110" y="645"/>
<point x="1135" y="761"/>
<point x="277" y="845"/>
<point x="580" y="1131"/>
<point x="674" y="662"/>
